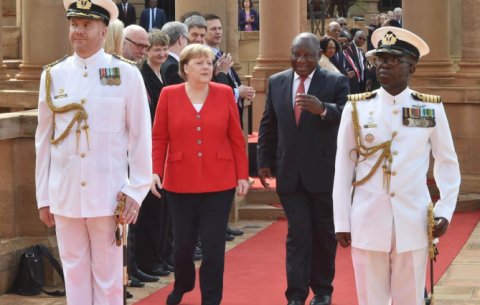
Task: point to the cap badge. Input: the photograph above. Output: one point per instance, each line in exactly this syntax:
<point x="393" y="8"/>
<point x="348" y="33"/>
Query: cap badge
<point x="389" y="39"/>
<point x="84" y="4"/>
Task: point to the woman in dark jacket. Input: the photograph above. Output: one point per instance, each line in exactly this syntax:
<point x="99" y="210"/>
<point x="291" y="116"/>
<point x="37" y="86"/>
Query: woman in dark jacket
<point x="248" y="19"/>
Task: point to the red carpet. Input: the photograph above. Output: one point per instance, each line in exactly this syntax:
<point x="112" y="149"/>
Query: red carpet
<point x="255" y="270"/>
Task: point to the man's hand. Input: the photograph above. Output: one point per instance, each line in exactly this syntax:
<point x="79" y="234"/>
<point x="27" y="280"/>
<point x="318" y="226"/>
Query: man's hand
<point x="263" y="173"/>
<point x="46" y="216"/>
<point x="224" y="63"/>
<point x="350" y="74"/>
<point x="441" y="226"/>
<point x="246" y="92"/>
<point x="156" y="182"/>
<point x="130" y="213"/>
<point x="344" y="239"/>
<point x="310" y="103"/>
<point x="243" y="187"/>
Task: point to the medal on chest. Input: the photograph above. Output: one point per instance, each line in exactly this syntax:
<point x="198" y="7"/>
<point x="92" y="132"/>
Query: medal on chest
<point x="110" y="76"/>
<point x="419" y="117"/>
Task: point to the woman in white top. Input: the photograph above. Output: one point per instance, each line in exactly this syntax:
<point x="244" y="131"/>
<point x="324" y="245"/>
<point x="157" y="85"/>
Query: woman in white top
<point x="329" y="47"/>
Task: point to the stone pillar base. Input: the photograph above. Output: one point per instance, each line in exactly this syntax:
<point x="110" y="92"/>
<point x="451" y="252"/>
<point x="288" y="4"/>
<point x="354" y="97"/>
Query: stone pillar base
<point x="469" y="67"/>
<point x="30" y="72"/>
<point x="3" y="73"/>
<point x="434" y="69"/>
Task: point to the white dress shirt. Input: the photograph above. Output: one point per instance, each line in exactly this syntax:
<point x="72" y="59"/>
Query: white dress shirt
<point x="306" y="84"/>
<point x="153" y="13"/>
<point x="85" y="184"/>
<point x="373" y="211"/>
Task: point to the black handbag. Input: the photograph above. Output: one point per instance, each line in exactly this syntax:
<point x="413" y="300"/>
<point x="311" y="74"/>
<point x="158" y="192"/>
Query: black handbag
<point x="31" y="272"/>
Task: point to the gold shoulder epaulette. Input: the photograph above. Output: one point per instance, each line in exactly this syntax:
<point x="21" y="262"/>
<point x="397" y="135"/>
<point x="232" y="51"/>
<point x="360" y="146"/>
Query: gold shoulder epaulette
<point x="125" y="60"/>
<point x="55" y="62"/>
<point x="361" y="96"/>
<point x="428" y="98"/>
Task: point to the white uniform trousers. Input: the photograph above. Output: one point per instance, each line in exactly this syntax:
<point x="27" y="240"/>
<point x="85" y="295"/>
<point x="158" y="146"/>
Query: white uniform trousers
<point x="92" y="265"/>
<point x="381" y="276"/>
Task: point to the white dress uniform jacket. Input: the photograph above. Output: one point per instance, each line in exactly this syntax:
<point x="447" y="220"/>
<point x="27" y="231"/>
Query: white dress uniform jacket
<point x="371" y="216"/>
<point x="85" y="184"/>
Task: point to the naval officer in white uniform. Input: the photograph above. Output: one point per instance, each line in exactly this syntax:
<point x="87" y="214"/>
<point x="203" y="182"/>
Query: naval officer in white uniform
<point x="387" y="156"/>
<point x="93" y="125"/>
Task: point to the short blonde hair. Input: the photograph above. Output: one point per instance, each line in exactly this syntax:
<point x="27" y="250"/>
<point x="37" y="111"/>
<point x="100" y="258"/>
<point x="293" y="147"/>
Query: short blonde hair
<point x="157" y="38"/>
<point x="190" y="52"/>
<point x="114" y="40"/>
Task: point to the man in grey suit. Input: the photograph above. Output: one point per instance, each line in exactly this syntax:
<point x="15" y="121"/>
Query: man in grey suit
<point x="298" y="134"/>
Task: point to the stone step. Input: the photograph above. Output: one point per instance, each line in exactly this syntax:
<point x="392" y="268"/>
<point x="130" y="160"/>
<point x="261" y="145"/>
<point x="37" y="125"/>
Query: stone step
<point x="14" y="84"/>
<point x="13" y="68"/>
<point x="26" y="99"/>
<point x="11" y="42"/>
<point x="260" y="212"/>
<point x="468" y="202"/>
<point x="262" y="197"/>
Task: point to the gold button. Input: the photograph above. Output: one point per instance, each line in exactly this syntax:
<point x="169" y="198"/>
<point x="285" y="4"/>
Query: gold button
<point x="83" y="155"/>
<point x="395" y="111"/>
<point x="395" y="153"/>
<point x="84" y="183"/>
<point x="394" y="173"/>
<point x="85" y="74"/>
<point x="392" y="195"/>
<point x="83" y="100"/>
<point x="395" y="133"/>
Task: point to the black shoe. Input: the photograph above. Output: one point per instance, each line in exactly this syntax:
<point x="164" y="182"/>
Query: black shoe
<point x="296" y="302"/>
<point x="134" y="282"/>
<point x="321" y="300"/>
<point x="169" y="260"/>
<point x="129" y="295"/>
<point x="234" y="232"/>
<point x="229" y="237"/>
<point x="159" y="272"/>
<point x="169" y="268"/>
<point x="144" y="277"/>
<point x="174" y="297"/>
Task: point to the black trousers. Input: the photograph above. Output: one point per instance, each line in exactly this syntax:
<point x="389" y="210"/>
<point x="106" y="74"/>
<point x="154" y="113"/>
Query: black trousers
<point x="311" y="243"/>
<point x="151" y="232"/>
<point x="208" y="214"/>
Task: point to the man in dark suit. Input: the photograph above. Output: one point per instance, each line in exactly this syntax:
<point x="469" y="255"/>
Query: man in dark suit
<point x="152" y="17"/>
<point x="213" y="38"/>
<point x="177" y="32"/>
<point x="126" y="13"/>
<point x="298" y="134"/>
<point x="357" y="62"/>
<point x="338" y="60"/>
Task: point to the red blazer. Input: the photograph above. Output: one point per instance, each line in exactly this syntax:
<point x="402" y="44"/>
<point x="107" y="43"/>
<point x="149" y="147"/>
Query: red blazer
<point x="198" y="152"/>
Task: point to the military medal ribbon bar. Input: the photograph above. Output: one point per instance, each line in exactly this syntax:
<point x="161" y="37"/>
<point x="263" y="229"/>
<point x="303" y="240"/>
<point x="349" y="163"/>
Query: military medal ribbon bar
<point x="416" y="117"/>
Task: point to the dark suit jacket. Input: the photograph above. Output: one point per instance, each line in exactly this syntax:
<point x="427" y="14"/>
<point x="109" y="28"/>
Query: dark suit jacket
<point x="131" y="17"/>
<point x="160" y="19"/>
<point x="357" y="85"/>
<point x="306" y="151"/>
<point x="339" y="61"/>
<point x="153" y="85"/>
<point x="242" y="23"/>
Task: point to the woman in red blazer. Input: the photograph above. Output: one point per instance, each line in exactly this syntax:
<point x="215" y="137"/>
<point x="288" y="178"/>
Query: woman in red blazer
<point x="199" y="153"/>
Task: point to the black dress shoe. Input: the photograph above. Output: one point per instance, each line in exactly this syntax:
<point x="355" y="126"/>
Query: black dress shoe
<point x="169" y="260"/>
<point x="129" y="295"/>
<point x="321" y="300"/>
<point x="229" y="237"/>
<point x="296" y="302"/>
<point x="134" y="282"/>
<point x="169" y="268"/>
<point x="144" y="277"/>
<point x="175" y="297"/>
<point x="159" y="272"/>
<point x="234" y="232"/>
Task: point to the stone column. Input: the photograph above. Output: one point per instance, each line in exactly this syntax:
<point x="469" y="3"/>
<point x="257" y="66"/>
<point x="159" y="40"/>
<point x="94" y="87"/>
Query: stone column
<point x="371" y="8"/>
<point x="437" y="64"/>
<point x="456" y="30"/>
<point x="230" y="29"/>
<point x="278" y="28"/>
<point x="470" y="62"/>
<point x="44" y="36"/>
<point x="3" y="67"/>
<point x="18" y="6"/>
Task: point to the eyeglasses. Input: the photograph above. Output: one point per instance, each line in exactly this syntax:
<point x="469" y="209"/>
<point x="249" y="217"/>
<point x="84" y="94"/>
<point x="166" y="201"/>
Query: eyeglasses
<point x="362" y="39"/>
<point x="188" y="40"/>
<point x="389" y="61"/>
<point x="343" y="24"/>
<point x="139" y="45"/>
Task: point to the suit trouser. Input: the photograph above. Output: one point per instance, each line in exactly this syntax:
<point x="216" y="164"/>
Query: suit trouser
<point x="311" y="243"/>
<point x="208" y="214"/>
<point x="151" y="230"/>
<point x="92" y="265"/>
<point x="382" y="276"/>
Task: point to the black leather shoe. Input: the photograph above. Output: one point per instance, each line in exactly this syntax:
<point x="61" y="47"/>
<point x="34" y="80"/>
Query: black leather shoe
<point x="169" y="260"/>
<point x="144" y="277"/>
<point x="321" y="300"/>
<point x="159" y="272"/>
<point x="174" y="297"/>
<point x="296" y="302"/>
<point x="229" y="237"/>
<point x="134" y="282"/>
<point x="169" y="268"/>
<point x="129" y="295"/>
<point x="234" y="232"/>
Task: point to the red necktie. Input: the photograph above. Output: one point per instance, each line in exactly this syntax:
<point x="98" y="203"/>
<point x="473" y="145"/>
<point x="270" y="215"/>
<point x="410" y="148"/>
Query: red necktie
<point x="301" y="90"/>
<point x="125" y="11"/>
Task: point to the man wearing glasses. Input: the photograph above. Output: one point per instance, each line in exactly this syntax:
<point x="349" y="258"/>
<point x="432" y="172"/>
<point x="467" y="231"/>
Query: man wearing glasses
<point x="357" y="62"/>
<point x="135" y="44"/>
<point x="384" y="144"/>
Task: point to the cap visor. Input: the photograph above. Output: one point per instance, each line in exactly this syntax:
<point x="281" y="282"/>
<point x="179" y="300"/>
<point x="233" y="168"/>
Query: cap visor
<point x="87" y="16"/>
<point x="387" y="51"/>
